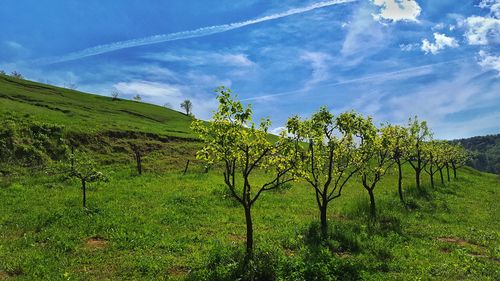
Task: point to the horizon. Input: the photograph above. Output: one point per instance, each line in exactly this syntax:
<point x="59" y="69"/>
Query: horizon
<point x="383" y="58"/>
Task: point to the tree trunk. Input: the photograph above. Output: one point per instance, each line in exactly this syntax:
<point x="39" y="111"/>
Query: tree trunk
<point x="417" y="177"/>
<point x="448" y="171"/>
<point x="441" y="175"/>
<point x="323" y="217"/>
<point x="84" y="194"/>
<point x="431" y="174"/>
<point x="400" y="182"/>
<point x="139" y="163"/>
<point x="249" y="248"/>
<point x="373" y="211"/>
<point x="454" y="170"/>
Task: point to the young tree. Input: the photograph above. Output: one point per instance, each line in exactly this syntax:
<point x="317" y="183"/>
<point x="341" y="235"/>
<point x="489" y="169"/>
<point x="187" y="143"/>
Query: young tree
<point x="380" y="151"/>
<point x="458" y="157"/>
<point x="334" y="154"/>
<point x="399" y="139"/>
<point x="430" y="151"/>
<point x="137" y="97"/>
<point x="16" y="74"/>
<point x="419" y="133"/>
<point x="115" y="95"/>
<point x="84" y="169"/>
<point x="187" y="105"/>
<point x="441" y="158"/>
<point x="245" y="149"/>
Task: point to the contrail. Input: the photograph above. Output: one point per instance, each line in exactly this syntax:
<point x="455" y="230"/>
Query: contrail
<point x="200" y="32"/>
<point x="360" y="79"/>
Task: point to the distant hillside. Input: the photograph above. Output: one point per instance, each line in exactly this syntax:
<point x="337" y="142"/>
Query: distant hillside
<point x="485" y="152"/>
<point x="86" y="113"/>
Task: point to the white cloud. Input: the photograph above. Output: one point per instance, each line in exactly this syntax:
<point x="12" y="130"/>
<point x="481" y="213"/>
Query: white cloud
<point x="320" y="65"/>
<point x="148" y="89"/>
<point x="489" y="62"/>
<point x="439" y="26"/>
<point x="363" y="38"/>
<point x="174" y="94"/>
<point x="409" y="47"/>
<point x="441" y="101"/>
<point x="204" y="58"/>
<point x="441" y="41"/>
<point x="397" y="10"/>
<point x="277" y="131"/>
<point x="492" y="5"/>
<point x="481" y="30"/>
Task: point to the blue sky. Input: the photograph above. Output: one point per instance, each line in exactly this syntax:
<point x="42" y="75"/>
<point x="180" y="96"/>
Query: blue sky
<point x="390" y="59"/>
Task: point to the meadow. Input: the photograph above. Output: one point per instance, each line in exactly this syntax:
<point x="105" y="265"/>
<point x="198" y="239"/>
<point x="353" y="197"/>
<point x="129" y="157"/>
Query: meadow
<point x="167" y="225"/>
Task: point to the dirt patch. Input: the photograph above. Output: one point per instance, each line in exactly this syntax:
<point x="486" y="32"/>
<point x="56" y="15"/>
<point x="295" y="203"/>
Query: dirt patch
<point x="4" y="275"/>
<point x="236" y="238"/>
<point x="178" y="270"/>
<point x="454" y="240"/>
<point x="96" y="243"/>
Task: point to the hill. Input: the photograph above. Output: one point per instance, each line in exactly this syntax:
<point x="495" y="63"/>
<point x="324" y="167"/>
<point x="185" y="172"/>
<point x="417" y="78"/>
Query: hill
<point x="485" y="152"/>
<point x="86" y="113"/>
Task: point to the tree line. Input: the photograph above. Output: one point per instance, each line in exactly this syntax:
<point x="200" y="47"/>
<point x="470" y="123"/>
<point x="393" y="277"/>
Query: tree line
<point x="324" y="150"/>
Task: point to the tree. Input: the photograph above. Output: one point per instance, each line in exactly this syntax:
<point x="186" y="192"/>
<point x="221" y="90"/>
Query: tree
<point x="244" y="148"/>
<point x="458" y="157"/>
<point x="430" y="152"/>
<point x="84" y="169"/>
<point x="187" y="105"/>
<point x="167" y="105"/>
<point x="334" y="154"/>
<point x="115" y="95"/>
<point x="399" y="139"/>
<point x="137" y="97"/>
<point x="16" y="74"/>
<point x="2" y="72"/>
<point x="419" y="133"/>
<point x="379" y="149"/>
<point x="442" y="157"/>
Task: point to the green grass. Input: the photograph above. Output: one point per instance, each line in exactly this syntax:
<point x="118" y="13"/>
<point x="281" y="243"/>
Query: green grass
<point x="86" y="113"/>
<point x="165" y="225"/>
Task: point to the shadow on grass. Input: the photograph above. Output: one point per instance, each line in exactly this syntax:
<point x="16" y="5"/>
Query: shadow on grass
<point x="271" y="262"/>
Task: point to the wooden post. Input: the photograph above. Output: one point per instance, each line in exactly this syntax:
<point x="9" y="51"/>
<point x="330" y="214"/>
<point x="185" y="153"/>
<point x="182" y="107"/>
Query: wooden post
<point x="186" y="168"/>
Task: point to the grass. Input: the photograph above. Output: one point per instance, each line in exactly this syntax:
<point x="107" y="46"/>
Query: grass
<point x="170" y="226"/>
<point x="90" y="114"/>
<point x="166" y="225"/>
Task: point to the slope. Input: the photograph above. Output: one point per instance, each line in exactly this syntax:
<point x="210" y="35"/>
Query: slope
<point x="86" y="113"/>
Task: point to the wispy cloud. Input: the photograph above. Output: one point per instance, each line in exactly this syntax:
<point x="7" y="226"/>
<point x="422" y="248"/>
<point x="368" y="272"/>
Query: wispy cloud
<point x="320" y="65"/>
<point x="200" y="32"/>
<point x="398" y="74"/>
<point x="203" y="58"/>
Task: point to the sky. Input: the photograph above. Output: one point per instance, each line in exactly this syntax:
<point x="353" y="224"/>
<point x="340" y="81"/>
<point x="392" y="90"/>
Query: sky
<point x="389" y="59"/>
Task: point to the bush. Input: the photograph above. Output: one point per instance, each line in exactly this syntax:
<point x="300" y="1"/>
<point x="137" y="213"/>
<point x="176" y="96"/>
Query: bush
<point x="28" y="143"/>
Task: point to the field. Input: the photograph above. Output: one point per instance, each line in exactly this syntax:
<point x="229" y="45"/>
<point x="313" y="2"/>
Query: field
<point x="169" y="225"/>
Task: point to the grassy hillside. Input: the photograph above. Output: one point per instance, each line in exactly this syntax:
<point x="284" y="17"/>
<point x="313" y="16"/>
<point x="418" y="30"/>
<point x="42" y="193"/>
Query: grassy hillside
<point x="165" y="225"/>
<point x="85" y="113"/>
<point x="170" y="226"/>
